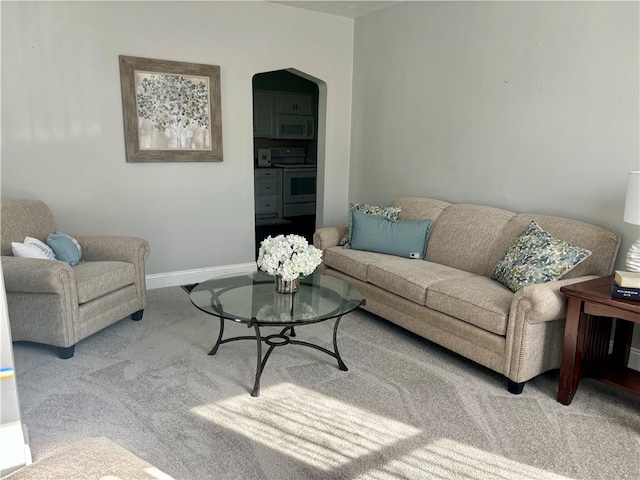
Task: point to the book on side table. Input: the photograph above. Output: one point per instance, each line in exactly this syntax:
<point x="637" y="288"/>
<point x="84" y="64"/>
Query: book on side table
<point x="627" y="279"/>
<point x="626" y="285"/>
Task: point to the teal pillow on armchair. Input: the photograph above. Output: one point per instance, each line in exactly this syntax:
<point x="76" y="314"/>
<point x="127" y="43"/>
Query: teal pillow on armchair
<point x="66" y="248"/>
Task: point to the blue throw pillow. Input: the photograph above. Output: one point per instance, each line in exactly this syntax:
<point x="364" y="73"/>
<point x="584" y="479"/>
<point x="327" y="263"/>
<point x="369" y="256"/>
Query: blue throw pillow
<point x="390" y="213"/>
<point x="66" y="248"/>
<point x="377" y="234"/>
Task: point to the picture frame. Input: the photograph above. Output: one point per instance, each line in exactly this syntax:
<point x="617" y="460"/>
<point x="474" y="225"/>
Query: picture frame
<point x="171" y="110"/>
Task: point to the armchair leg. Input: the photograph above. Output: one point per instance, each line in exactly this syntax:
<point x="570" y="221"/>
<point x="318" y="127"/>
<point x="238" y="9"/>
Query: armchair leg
<point x="65" y="353"/>
<point x="137" y="315"/>
<point x="515" y="388"/>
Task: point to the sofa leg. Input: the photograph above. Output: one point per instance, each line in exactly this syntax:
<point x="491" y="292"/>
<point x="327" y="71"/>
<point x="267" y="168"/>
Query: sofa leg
<point x="515" y="388"/>
<point x="65" y="353"/>
<point x="137" y="315"/>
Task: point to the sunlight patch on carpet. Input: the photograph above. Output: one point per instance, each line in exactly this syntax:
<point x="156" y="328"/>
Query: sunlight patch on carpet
<point x="313" y="428"/>
<point x="448" y="459"/>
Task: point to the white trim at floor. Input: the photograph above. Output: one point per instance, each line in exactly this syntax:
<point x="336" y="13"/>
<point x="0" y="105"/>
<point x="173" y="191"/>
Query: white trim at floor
<point x="188" y="277"/>
<point x="634" y="359"/>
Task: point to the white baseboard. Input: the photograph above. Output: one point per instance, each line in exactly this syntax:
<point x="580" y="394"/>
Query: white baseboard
<point x="634" y="359"/>
<point x="187" y="277"/>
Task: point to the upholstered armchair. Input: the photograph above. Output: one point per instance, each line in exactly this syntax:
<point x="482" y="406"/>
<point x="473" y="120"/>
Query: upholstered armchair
<point x="54" y="303"/>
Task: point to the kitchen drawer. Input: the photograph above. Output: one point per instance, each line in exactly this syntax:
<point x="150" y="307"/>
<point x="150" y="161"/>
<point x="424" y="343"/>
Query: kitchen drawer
<point x="267" y="186"/>
<point x="267" y="204"/>
<point x="266" y="173"/>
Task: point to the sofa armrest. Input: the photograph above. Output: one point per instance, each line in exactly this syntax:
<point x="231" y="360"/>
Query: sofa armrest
<point x="543" y="302"/>
<point x="328" y="237"/>
<point x="113" y="248"/>
<point x="535" y="331"/>
<point x="35" y="275"/>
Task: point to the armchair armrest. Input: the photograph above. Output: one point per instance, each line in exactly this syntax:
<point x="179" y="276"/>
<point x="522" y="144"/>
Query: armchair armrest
<point x="35" y="275"/>
<point x="113" y="248"/>
<point x="328" y="237"/>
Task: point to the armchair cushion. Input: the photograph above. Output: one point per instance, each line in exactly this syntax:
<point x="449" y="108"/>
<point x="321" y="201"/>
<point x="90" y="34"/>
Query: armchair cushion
<point x="95" y="279"/>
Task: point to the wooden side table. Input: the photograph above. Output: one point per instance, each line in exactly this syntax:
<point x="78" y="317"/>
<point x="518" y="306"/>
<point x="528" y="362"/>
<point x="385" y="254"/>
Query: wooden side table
<point x="590" y="312"/>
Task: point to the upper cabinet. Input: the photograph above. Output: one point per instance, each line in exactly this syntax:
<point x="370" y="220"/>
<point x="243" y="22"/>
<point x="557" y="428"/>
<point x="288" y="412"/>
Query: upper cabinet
<point x="263" y="114"/>
<point x="294" y="103"/>
<point x="268" y="104"/>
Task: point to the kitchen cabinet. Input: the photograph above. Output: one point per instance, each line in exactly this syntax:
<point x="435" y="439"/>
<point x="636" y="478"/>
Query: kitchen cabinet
<point x="264" y="124"/>
<point x="268" y="104"/>
<point x="294" y="103"/>
<point x="268" y="196"/>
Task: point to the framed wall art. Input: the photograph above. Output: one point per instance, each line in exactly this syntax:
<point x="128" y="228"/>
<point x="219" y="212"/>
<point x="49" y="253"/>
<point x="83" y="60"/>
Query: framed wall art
<point x="171" y="110"/>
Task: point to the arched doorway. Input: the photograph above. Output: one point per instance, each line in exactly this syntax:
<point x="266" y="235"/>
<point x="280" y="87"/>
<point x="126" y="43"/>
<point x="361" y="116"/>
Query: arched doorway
<point x="285" y="148"/>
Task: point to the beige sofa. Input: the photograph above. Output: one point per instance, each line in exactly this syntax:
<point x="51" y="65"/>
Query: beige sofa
<point x="449" y="297"/>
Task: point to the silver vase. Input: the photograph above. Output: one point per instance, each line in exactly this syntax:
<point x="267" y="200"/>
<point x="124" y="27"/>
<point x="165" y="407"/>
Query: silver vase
<point x="286" y="286"/>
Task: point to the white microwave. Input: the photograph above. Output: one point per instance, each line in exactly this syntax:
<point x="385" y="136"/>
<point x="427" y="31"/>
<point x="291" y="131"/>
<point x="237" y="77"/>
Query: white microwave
<point x="295" y="127"/>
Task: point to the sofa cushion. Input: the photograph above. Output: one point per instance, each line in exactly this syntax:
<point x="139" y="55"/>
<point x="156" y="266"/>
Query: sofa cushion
<point x="95" y="279"/>
<point x="377" y="234"/>
<point x="410" y="278"/>
<point x="354" y="263"/>
<point x="475" y="299"/>
<point x="536" y="257"/>
<point x="465" y="237"/>
<point x="419" y="208"/>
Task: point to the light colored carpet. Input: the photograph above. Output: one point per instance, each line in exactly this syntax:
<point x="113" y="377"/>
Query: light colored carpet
<point x="406" y="409"/>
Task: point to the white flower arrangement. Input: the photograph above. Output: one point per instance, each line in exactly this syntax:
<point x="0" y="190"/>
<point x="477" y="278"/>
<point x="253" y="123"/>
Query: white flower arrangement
<point x="289" y="256"/>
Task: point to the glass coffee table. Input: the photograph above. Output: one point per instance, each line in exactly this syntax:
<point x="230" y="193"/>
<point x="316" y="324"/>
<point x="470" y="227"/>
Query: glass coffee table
<point x="251" y="299"/>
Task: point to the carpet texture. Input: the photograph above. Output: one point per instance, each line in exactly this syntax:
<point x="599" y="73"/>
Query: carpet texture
<point x="406" y="409"/>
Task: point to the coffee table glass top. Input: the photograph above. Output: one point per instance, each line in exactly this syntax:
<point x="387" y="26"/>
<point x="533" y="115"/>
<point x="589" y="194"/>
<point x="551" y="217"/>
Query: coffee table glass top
<point x="251" y="298"/>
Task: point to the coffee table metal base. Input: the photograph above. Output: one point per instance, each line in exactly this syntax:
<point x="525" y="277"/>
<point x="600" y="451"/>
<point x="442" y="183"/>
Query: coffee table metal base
<point x="277" y="340"/>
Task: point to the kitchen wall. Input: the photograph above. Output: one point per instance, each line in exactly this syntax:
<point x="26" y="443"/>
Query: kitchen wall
<point x="528" y="106"/>
<point x="62" y="133"/>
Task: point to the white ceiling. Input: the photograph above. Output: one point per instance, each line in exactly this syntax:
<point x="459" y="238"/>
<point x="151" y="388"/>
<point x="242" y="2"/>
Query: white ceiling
<point x="348" y="9"/>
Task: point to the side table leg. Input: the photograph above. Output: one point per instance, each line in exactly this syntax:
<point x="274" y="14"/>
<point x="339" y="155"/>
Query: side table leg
<point x="256" y="384"/>
<point x="571" y="351"/>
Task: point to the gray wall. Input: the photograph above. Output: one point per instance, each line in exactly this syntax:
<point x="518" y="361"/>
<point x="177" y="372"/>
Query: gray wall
<point x="62" y="132"/>
<point x="527" y="106"/>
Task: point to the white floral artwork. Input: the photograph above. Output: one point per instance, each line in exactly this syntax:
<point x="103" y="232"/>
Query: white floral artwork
<point x="173" y="111"/>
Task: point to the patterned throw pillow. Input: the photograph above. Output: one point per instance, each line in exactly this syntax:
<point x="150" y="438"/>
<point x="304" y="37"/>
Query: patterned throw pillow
<point x="390" y="213"/>
<point x="536" y="257"/>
